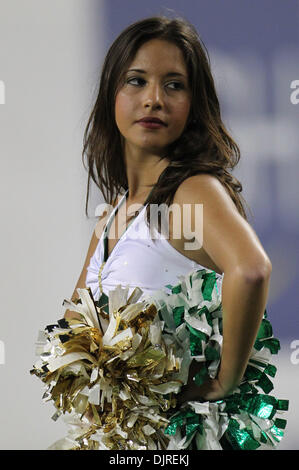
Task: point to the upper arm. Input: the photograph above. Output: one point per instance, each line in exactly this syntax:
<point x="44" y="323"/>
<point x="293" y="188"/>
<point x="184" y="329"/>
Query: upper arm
<point x="96" y="235"/>
<point x="81" y="283"/>
<point x="226" y="236"/>
<point x="92" y="247"/>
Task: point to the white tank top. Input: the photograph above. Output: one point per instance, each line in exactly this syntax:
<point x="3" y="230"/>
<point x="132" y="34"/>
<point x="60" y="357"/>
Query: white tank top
<point x="138" y="261"/>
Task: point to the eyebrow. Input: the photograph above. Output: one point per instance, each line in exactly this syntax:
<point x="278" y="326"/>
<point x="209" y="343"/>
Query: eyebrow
<point x="169" y="74"/>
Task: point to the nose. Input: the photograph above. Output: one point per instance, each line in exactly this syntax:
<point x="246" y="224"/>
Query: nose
<point x="153" y="96"/>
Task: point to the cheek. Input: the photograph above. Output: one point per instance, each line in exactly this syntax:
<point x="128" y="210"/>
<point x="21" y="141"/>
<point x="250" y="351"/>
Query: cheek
<point x="123" y="108"/>
<point x="182" y="111"/>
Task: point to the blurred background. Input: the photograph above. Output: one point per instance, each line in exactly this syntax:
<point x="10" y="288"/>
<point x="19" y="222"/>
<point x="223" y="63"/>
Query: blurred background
<point x="51" y="55"/>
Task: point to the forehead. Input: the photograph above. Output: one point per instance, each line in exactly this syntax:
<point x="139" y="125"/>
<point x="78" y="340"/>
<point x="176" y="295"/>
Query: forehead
<point x="160" y="54"/>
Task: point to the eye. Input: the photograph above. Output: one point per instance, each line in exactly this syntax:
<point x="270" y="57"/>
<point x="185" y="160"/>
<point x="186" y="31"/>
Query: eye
<point x="177" y="85"/>
<point x="138" y="79"/>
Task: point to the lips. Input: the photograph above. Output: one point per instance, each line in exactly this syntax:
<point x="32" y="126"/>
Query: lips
<point x="150" y="119"/>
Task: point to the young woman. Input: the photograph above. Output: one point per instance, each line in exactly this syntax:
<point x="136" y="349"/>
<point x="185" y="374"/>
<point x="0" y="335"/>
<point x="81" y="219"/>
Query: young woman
<point x="156" y="136"/>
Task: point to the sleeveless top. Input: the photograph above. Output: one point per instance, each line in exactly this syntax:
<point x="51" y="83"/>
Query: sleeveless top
<point x="138" y="261"/>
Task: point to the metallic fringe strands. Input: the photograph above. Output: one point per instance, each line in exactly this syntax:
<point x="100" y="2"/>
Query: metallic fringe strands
<point x="100" y="277"/>
<point x="115" y="373"/>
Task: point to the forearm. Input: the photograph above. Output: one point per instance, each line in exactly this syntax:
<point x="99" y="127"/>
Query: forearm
<point x="69" y="314"/>
<point x="243" y="303"/>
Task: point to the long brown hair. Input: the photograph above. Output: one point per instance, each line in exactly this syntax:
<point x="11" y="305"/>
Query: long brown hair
<point x="205" y="145"/>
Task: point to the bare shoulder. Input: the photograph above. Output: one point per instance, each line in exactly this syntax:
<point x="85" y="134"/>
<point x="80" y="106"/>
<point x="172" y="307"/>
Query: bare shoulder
<point x="202" y="188"/>
<point x="226" y="237"/>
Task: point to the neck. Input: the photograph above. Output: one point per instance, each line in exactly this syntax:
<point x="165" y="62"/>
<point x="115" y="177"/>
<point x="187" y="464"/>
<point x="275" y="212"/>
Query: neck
<point x="142" y="173"/>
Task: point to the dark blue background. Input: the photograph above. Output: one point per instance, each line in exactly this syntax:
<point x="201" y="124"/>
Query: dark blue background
<point x="236" y="27"/>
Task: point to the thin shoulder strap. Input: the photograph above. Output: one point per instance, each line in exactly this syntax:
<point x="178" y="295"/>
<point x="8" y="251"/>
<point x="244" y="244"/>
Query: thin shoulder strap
<point x="109" y="222"/>
<point x="113" y="214"/>
<point x="115" y="210"/>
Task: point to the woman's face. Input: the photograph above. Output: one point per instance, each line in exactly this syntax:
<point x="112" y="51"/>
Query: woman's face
<point x="155" y="85"/>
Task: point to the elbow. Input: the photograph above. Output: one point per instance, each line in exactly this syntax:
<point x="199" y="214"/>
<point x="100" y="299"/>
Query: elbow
<point x="259" y="273"/>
